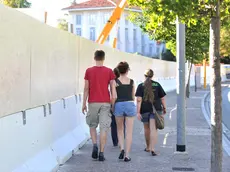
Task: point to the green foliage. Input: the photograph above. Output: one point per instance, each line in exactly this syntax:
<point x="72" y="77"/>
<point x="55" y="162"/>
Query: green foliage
<point x="168" y="56"/>
<point x="171" y="45"/>
<point x="225" y="41"/>
<point x="159" y="16"/>
<point x="225" y="60"/>
<point x="17" y="3"/>
<point x="63" y="24"/>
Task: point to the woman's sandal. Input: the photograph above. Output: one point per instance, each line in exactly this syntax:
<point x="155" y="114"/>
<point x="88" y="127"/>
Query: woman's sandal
<point x="127" y="159"/>
<point x="146" y="150"/>
<point x="122" y="154"/>
<point x="153" y="153"/>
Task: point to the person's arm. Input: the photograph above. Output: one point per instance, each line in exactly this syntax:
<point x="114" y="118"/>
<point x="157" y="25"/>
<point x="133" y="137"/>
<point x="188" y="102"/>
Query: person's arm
<point x="133" y="92"/>
<point x="163" y="104"/>
<point x="162" y="95"/>
<point x="139" y="101"/>
<point x="139" y="95"/>
<point x="113" y="92"/>
<point x="85" y="96"/>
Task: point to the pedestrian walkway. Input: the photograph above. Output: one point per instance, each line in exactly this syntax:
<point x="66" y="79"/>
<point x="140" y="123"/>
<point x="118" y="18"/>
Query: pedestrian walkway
<point x="198" y="146"/>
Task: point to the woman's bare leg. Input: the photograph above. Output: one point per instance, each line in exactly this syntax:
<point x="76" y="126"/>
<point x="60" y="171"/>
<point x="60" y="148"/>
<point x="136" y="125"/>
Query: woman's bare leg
<point x="120" y="131"/>
<point x="147" y="136"/>
<point x="153" y="134"/>
<point x="129" y="134"/>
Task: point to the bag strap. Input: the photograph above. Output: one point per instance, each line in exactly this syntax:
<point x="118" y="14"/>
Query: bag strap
<point x="154" y="109"/>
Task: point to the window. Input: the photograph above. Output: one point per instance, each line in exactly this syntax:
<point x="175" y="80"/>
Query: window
<point x="92" y="34"/>
<point x="78" y="31"/>
<point x="126" y="20"/>
<point x="143" y="44"/>
<point x="118" y="34"/>
<point x="150" y="49"/>
<point x="126" y="39"/>
<point x="134" y="40"/>
<point x="78" y="19"/>
<point x="92" y="19"/>
<point x="106" y="17"/>
<point x="108" y="38"/>
<point x="158" y="51"/>
<point x="118" y="38"/>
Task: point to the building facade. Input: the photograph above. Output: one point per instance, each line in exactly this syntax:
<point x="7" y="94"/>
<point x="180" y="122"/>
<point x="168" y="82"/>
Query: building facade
<point x="87" y="19"/>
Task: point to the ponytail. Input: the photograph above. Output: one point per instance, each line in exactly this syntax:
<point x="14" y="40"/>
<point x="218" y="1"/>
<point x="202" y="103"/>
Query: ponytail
<point x="116" y="72"/>
<point x="148" y="91"/>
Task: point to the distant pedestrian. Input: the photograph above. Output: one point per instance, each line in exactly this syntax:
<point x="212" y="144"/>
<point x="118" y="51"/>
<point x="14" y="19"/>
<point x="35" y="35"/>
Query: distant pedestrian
<point x="113" y="123"/>
<point x="125" y="109"/>
<point x="97" y="80"/>
<point x="150" y="93"/>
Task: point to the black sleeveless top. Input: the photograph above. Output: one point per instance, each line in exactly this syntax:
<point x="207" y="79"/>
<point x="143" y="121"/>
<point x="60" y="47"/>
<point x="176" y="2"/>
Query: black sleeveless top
<point x="124" y="91"/>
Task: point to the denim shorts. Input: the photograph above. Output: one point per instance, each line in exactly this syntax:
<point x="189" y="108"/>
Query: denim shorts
<point x="147" y="116"/>
<point x="125" y="109"/>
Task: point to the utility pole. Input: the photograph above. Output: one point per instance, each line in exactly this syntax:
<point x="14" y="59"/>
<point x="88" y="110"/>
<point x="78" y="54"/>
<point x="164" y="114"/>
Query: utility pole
<point x="181" y="113"/>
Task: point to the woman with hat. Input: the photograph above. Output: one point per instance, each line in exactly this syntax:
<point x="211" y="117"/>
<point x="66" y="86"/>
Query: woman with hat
<point x="149" y="94"/>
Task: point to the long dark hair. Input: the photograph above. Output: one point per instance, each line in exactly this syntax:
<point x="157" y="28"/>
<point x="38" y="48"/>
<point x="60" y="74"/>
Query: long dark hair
<point x="148" y="89"/>
<point x="116" y="72"/>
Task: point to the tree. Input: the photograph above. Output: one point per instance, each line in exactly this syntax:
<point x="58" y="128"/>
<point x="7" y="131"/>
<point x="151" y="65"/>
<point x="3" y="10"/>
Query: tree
<point x="197" y="36"/>
<point x="63" y="24"/>
<point x="17" y="3"/>
<point x="168" y="55"/>
<point x="213" y="12"/>
<point x="225" y="60"/>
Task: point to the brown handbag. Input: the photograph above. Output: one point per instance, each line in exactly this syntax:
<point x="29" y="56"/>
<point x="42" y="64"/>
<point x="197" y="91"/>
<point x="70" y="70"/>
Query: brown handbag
<point x="160" y="124"/>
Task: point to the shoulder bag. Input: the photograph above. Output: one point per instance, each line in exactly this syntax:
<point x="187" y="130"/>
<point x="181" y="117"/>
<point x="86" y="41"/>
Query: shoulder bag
<point x="160" y="124"/>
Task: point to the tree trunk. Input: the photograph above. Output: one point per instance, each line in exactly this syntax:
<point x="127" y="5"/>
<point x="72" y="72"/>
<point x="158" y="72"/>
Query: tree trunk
<point x="215" y="89"/>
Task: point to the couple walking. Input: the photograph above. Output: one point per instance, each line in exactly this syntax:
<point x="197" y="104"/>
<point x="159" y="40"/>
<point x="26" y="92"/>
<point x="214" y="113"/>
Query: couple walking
<point x="120" y="100"/>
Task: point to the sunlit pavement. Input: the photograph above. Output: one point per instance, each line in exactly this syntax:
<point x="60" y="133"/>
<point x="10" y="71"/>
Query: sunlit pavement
<point x="198" y="145"/>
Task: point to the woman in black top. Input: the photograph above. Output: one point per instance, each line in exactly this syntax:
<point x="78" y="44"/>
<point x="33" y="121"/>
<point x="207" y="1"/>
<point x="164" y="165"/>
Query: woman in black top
<point x="124" y="109"/>
<point x="150" y="93"/>
<point x="113" y="123"/>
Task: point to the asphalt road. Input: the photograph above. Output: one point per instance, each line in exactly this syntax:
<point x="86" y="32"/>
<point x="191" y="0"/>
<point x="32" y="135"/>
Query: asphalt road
<point x="225" y="105"/>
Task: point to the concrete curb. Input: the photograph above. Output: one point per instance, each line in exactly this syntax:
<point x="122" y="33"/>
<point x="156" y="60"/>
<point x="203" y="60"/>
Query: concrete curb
<point x="226" y="142"/>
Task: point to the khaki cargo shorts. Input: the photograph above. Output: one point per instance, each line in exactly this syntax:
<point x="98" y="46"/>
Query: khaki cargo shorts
<point x="99" y="113"/>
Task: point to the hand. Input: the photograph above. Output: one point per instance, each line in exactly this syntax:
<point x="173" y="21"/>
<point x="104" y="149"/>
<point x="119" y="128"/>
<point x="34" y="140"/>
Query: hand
<point x="112" y="109"/>
<point x="139" y="117"/>
<point x="164" y="111"/>
<point x="84" y="108"/>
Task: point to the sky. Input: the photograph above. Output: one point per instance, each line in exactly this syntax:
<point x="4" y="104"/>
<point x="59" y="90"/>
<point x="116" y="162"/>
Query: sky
<point x="49" y="4"/>
<point x="52" y="4"/>
<point x="53" y="8"/>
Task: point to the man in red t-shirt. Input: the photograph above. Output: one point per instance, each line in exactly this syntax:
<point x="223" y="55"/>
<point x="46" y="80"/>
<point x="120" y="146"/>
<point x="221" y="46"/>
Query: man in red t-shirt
<point x="97" y="80"/>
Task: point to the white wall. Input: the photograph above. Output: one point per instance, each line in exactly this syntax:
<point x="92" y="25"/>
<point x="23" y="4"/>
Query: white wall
<point x="42" y="73"/>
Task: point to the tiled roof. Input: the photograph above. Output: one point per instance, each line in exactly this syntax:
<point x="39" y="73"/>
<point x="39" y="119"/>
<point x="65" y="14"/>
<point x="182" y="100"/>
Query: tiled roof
<point x="94" y="4"/>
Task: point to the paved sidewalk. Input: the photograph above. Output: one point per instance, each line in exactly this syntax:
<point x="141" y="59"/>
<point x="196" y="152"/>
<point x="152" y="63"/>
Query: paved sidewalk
<point x="198" y="146"/>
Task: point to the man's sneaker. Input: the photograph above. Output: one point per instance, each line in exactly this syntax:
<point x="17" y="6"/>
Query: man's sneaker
<point x="101" y="156"/>
<point x="95" y="152"/>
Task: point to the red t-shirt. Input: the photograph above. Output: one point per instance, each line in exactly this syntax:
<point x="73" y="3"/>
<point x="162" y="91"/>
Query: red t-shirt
<point x="99" y="78"/>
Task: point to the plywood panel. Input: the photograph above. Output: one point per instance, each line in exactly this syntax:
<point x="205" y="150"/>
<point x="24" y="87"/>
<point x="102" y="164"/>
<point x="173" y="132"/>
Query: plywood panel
<point x="86" y="58"/>
<point x="40" y="64"/>
<point x="14" y="63"/>
<point x="61" y="69"/>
